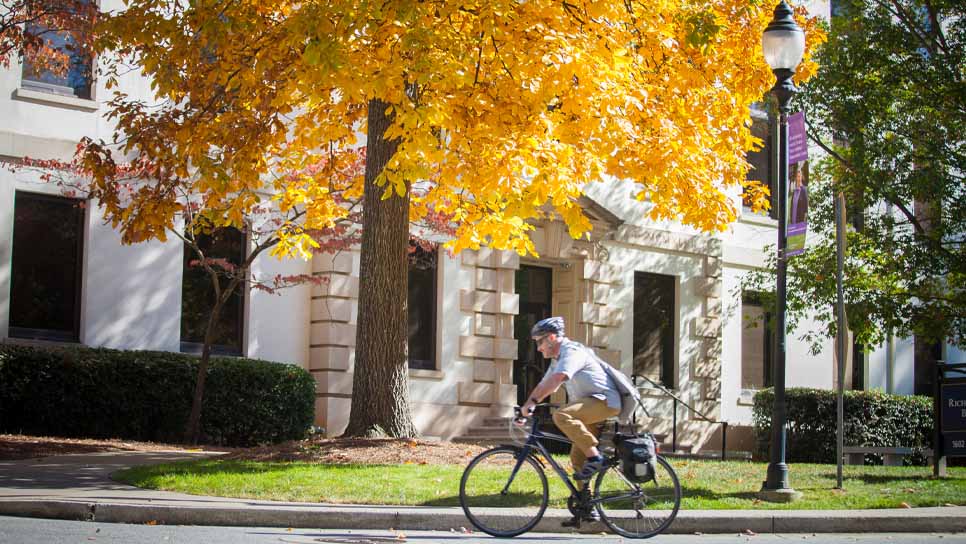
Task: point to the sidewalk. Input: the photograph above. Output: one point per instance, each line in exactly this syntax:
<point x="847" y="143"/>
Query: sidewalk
<point x="78" y="487"/>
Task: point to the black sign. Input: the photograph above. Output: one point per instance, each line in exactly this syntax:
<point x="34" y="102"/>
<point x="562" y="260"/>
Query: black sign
<point x="952" y="402"/>
<point x="954" y="444"/>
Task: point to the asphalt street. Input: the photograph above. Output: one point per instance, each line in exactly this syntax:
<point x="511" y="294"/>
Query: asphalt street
<point x="15" y="530"/>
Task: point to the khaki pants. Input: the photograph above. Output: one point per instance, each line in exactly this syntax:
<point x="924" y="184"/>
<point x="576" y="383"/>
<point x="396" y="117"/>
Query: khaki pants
<point x="581" y="422"/>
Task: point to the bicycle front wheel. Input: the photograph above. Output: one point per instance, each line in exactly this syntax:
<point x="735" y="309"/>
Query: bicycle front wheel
<point x="638" y="509"/>
<point x="503" y="492"/>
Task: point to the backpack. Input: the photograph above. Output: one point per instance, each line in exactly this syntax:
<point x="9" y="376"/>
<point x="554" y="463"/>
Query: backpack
<point x="630" y="396"/>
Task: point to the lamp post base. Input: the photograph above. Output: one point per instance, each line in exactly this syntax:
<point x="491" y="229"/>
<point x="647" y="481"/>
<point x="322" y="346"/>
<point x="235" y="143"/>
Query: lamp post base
<point x="776" y="488"/>
<point x="779" y="495"/>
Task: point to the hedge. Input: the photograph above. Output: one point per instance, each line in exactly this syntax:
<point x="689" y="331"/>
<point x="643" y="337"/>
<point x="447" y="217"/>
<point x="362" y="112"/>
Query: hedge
<point x="872" y="418"/>
<point x="145" y="395"/>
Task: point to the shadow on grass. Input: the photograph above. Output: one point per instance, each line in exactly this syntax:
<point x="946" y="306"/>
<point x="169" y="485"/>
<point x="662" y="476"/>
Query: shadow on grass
<point x="701" y="493"/>
<point x="879" y="479"/>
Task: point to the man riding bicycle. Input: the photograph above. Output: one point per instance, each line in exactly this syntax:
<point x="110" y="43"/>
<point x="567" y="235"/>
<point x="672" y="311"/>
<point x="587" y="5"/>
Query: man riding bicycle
<point x="592" y="394"/>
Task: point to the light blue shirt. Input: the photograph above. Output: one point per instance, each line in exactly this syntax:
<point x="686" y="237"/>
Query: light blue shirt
<point x="585" y="375"/>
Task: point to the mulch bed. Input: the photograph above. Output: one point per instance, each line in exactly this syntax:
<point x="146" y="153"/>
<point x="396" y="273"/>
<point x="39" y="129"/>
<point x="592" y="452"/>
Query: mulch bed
<point x="375" y="451"/>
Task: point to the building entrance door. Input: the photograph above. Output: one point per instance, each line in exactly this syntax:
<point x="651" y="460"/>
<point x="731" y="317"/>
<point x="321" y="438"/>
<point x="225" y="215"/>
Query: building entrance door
<point x="533" y="284"/>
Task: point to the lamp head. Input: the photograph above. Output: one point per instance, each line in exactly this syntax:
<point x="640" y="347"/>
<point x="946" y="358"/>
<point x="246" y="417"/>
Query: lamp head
<point x="783" y="41"/>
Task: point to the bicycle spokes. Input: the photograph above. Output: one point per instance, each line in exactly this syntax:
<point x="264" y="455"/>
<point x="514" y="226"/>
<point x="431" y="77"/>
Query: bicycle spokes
<point x="637" y="509"/>
<point x="504" y="492"/>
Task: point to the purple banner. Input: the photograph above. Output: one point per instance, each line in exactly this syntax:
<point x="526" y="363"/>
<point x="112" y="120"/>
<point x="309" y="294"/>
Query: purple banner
<point x="797" y="142"/>
<point x="797" y="208"/>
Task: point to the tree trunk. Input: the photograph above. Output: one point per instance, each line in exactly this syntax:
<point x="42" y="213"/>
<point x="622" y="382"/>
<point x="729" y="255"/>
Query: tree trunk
<point x="380" y="383"/>
<point x="193" y="429"/>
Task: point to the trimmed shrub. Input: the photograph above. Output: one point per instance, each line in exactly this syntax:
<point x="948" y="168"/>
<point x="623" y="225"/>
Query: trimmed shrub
<point x="145" y="395"/>
<point x="872" y="418"/>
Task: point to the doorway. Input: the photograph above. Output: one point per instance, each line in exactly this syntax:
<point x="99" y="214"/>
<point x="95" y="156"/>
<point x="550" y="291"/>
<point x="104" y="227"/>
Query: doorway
<point x="534" y="286"/>
<point x="654" y="319"/>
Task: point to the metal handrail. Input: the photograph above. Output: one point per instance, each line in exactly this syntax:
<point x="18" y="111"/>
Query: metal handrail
<point x="674" y="417"/>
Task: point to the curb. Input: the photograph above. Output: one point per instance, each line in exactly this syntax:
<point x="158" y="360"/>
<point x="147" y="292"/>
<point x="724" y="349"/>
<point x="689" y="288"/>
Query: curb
<point x="921" y="520"/>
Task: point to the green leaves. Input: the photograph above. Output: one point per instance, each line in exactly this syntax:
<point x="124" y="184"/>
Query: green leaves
<point x="888" y="107"/>
<point x="872" y="418"/>
<point x="143" y="395"/>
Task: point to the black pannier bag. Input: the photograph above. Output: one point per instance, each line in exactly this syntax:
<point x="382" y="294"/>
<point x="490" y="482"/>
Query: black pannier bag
<point x="638" y="455"/>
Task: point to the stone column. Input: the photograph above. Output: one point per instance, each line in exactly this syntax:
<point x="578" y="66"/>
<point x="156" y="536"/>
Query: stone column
<point x="491" y="345"/>
<point x="706" y="366"/>
<point x="597" y="321"/>
<point x="332" y="337"/>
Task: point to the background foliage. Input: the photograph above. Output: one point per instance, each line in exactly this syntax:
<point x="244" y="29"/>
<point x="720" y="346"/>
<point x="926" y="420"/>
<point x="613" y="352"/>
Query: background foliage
<point x="144" y="395"/>
<point x="872" y="418"/>
<point x="888" y="108"/>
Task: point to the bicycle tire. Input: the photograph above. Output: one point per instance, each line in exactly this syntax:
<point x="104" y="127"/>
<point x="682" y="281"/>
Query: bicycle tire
<point x="638" y="510"/>
<point x="503" y="513"/>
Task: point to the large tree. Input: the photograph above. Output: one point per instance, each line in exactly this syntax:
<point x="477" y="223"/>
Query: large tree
<point x="493" y="113"/>
<point x="888" y="107"/>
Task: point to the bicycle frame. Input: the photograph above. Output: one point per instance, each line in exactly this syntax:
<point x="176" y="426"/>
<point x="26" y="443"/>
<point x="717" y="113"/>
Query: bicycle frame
<point x="533" y="443"/>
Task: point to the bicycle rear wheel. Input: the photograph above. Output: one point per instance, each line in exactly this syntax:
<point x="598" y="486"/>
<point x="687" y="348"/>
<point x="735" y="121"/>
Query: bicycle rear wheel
<point x="638" y="509"/>
<point x="503" y="494"/>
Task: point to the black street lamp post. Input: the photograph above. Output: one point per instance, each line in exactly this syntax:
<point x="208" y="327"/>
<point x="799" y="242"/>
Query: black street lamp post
<point x="783" y="44"/>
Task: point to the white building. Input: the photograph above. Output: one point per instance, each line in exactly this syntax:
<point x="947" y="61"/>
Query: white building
<point x="659" y="300"/>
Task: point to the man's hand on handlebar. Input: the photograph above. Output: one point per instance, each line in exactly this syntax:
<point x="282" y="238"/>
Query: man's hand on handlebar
<point x="521" y="413"/>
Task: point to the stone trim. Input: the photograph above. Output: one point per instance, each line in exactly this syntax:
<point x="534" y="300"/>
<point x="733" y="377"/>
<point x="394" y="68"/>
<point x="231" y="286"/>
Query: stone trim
<point x="18" y="146"/>
<point x="668" y="241"/>
<point x="332" y="332"/>
<point x="52" y="99"/>
<point x="424" y="373"/>
<point x="493" y="303"/>
<point x="705" y="367"/>
<point x="596" y="320"/>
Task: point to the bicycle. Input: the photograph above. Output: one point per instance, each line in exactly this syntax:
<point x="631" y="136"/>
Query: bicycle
<point x="504" y="490"/>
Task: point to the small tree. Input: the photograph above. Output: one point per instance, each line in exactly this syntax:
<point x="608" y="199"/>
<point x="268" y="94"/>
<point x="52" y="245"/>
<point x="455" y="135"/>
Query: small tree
<point x="128" y="193"/>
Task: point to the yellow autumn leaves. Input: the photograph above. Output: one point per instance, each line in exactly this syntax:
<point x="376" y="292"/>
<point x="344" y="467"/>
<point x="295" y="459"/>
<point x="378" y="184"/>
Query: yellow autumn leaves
<point x="503" y="109"/>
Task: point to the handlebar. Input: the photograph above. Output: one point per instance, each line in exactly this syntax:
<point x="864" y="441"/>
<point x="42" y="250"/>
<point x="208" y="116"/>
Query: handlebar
<point x="519" y="418"/>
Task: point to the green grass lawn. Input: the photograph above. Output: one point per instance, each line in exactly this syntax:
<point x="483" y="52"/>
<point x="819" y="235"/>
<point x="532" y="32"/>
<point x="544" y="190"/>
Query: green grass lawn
<point x="706" y="484"/>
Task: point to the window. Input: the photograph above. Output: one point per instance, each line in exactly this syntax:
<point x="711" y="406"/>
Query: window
<point x="757" y="342"/>
<point x="62" y="64"/>
<point x="422" y="306"/>
<point x="761" y="160"/>
<point x="198" y="296"/>
<point x="927" y="353"/>
<point x="858" y="367"/>
<point x="45" y="289"/>
<point x="654" y="317"/>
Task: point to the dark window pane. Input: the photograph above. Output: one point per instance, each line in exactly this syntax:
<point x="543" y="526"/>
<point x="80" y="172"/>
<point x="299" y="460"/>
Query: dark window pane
<point x="757" y="342"/>
<point x="422" y="308"/>
<point x="926" y="354"/>
<point x="47" y="249"/>
<point x="198" y="295"/>
<point x="761" y="161"/>
<point x="76" y="80"/>
<point x="654" y="327"/>
<point x="858" y="367"/>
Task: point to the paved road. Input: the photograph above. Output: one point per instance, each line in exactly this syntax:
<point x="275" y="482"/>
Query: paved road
<point x="28" y="530"/>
